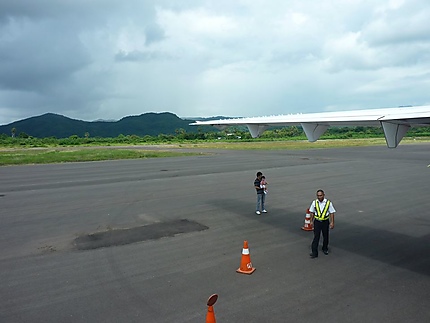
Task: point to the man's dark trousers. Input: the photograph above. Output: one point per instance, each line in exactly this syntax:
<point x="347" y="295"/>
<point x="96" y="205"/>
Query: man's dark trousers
<point x="318" y="227"/>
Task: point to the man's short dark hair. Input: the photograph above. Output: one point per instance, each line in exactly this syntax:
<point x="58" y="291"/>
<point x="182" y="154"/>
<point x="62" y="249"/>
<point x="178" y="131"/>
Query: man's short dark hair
<point x="259" y="174"/>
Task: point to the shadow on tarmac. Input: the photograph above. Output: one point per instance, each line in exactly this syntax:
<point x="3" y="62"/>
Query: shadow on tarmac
<point x="395" y="249"/>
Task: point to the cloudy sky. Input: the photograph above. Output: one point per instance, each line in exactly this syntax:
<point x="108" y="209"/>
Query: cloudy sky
<point x="107" y="59"/>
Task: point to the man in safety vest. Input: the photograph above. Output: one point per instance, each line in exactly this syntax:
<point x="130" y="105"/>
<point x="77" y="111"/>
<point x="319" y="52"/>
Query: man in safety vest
<point x="322" y="216"/>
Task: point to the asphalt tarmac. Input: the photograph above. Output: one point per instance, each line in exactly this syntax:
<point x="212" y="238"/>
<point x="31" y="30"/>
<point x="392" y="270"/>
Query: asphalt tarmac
<point x="170" y="233"/>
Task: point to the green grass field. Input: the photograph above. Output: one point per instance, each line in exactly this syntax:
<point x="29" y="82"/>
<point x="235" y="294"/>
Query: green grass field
<point x="25" y="156"/>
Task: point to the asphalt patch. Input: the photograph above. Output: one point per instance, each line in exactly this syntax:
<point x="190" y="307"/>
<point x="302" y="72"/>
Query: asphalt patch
<point x="117" y="237"/>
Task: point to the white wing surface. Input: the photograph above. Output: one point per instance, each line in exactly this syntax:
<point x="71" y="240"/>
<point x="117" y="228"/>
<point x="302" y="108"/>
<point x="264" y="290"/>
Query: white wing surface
<point x="394" y="121"/>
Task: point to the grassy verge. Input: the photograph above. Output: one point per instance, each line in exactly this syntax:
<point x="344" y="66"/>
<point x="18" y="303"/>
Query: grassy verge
<point x="285" y="144"/>
<point x="297" y="144"/>
<point x="19" y="156"/>
<point x="81" y="154"/>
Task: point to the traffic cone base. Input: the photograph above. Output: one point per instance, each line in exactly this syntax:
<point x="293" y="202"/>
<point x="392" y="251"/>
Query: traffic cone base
<point x="248" y="272"/>
<point x="245" y="263"/>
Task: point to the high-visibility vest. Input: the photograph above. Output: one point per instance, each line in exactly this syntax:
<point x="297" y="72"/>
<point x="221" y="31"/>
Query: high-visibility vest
<point x="324" y="214"/>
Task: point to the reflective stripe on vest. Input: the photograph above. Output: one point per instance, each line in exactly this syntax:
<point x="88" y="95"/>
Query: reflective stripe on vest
<point x="324" y="215"/>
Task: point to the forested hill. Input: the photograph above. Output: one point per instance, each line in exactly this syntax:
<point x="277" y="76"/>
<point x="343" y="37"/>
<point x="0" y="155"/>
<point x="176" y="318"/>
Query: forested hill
<point x="54" y="125"/>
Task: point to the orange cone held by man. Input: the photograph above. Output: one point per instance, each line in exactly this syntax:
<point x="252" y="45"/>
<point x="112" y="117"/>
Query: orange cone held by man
<point x="308" y="225"/>
<point x="245" y="263"/>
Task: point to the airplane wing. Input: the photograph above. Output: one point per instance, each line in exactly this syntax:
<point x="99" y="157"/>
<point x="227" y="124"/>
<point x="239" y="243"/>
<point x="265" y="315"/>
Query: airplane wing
<point x="394" y="121"/>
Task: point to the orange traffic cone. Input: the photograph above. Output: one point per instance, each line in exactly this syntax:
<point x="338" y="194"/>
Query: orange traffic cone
<point x="210" y="316"/>
<point x="308" y="225"/>
<point x="245" y="263"/>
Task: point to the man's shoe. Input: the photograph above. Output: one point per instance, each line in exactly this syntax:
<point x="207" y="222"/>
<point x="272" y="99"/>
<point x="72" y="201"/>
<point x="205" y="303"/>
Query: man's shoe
<point x="264" y="211"/>
<point x="313" y="256"/>
<point x="325" y="252"/>
<point x="257" y="212"/>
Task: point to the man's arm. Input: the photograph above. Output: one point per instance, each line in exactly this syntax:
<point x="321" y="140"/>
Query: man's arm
<point x="312" y="213"/>
<point x="331" y="220"/>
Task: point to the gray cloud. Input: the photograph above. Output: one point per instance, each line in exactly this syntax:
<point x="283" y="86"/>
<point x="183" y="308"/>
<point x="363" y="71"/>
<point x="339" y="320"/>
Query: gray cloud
<point x="38" y="57"/>
<point x="153" y="33"/>
<point x="108" y="59"/>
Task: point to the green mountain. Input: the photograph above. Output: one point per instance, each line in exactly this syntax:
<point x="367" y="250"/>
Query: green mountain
<point x="54" y="125"/>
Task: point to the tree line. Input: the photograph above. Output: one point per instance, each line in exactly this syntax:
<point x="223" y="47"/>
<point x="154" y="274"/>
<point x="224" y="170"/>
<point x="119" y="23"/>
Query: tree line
<point x="234" y="133"/>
